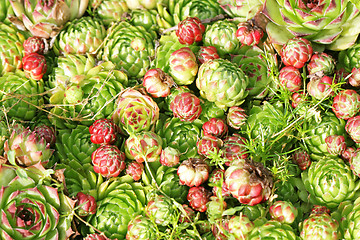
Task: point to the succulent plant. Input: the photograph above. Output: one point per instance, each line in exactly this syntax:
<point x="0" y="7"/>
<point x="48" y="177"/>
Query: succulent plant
<point x="324" y="22"/>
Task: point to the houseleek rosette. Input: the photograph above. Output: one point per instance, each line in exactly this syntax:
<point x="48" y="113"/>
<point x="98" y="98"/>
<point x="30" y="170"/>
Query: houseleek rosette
<point x="348" y="218"/>
<point x="135" y="111"/>
<point x="255" y="66"/>
<point x="91" y="98"/>
<point x="314" y="134"/>
<point x="222" y="82"/>
<point x="273" y="230"/>
<point x="11" y="50"/>
<point x="241" y="10"/>
<point x="109" y="10"/>
<point x="81" y="36"/>
<point x="130" y="47"/>
<point x="174" y="12"/>
<point x="70" y="69"/>
<point x="350" y="58"/>
<point x="119" y="201"/>
<point x="180" y="135"/>
<point x="330" y="182"/>
<point x="19" y="96"/>
<point x="46" y="18"/>
<point x="31" y="209"/>
<point x="329" y="22"/>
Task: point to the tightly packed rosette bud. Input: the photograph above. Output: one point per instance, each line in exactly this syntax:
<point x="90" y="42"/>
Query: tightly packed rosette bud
<point x="207" y="53"/>
<point x="248" y="33"/>
<point x="198" y="198"/>
<point x="28" y="147"/>
<point x="283" y="211"/>
<point x="320" y="87"/>
<point x="217" y="182"/>
<point x="346" y="104"/>
<point x="103" y="131"/>
<point x="327" y="22"/>
<point x="352" y="127"/>
<point x="208" y="144"/>
<point x="161" y="209"/>
<point x="296" y="52"/>
<point x="348" y="154"/>
<point x="135" y="170"/>
<point x="47" y="132"/>
<point x="11" y="41"/>
<point x="216" y="127"/>
<point x="301" y="158"/>
<point x="354" y="79"/>
<point x="222" y="82"/>
<point x="45" y="18"/>
<point x="249" y="182"/>
<point x="290" y="78"/>
<point x="186" y="106"/>
<point x="170" y="157"/>
<point x="215" y="207"/>
<point x="336" y="144"/>
<point x="108" y="160"/>
<point x="319" y="226"/>
<point x="143" y="146"/>
<point x="236" y="117"/>
<point x="34" y="66"/>
<point x="141" y="228"/>
<point x="321" y="62"/>
<point x="31" y="209"/>
<point x="86" y="204"/>
<point x="135" y="112"/>
<point x="234" y="148"/>
<point x="222" y="35"/>
<point x="129" y="47"/>
<point x="193" y="172"/>
<point x="157" y="83"/>
<point x="240" y="226"/>
<point x="190" y="30"/>
<point x="34" y="45"/>
<point x="81" y="36"/>
<point x="183" y="66"/>
<point x="329" y="182"/>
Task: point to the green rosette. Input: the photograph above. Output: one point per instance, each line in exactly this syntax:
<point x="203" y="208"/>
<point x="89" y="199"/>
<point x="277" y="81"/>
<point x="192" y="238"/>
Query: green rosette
<point x="255" y="66"/>
<point x="222" y="35"/>
<point x="330" y="182"/>
<point x="348" y="217"/>
<point x="70" y="69"/>
<point x="180" y="135"/>
<point x="315" y="132"/>
<point x="20" y="97"/>
<point x="222" y="82"/>
<point x="119" y="201"/>
<point x="350" y="57"/>
<point x="144" y="18"/>
<point x="167" y="45"/>
<point x="109" y="11"/>
<point x="81" y="36"/>
<point x="91" y="98"/>
<point x="175" y="11"/>
<point x="11" y="50"/>
<point x="167" y="179"/>
<point x="130" y="48"/>
<point x="273" y="230"/>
